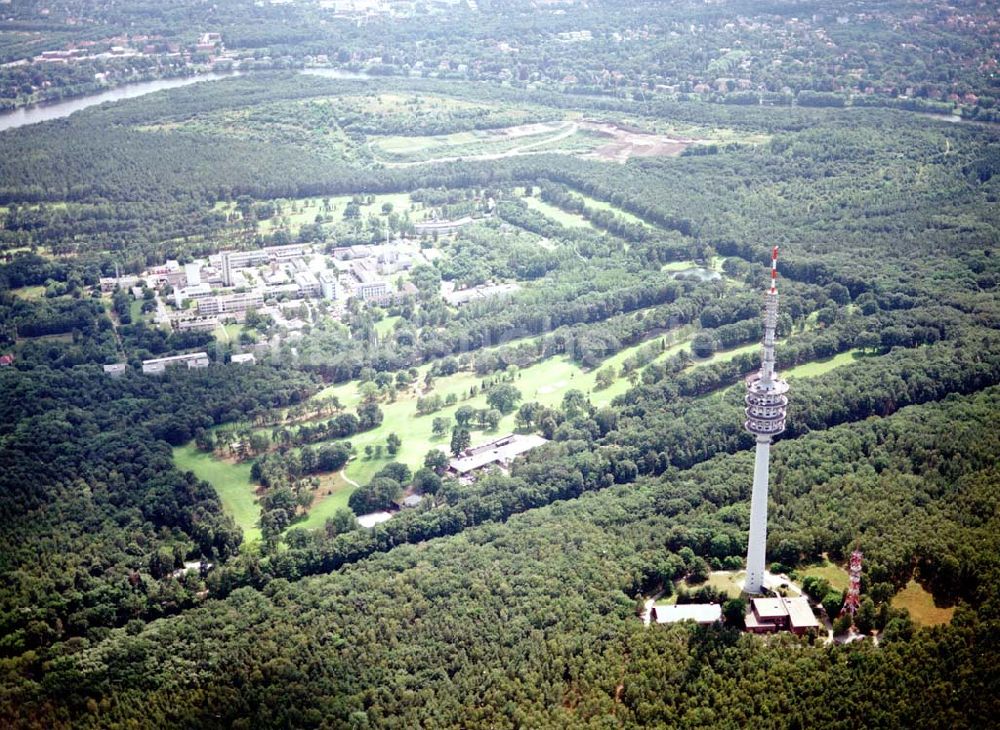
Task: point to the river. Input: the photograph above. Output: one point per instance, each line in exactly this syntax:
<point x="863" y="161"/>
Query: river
<point x="57" y="109"/>
<point x="43" y="112"/>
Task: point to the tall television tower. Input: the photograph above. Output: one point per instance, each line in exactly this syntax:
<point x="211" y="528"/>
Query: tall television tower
<point x="765" y="411"/>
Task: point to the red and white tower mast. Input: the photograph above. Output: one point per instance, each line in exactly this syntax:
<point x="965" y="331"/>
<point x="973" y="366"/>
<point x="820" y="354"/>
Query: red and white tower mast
<point x="853" y="600"/>
<point x="766" y="405"/>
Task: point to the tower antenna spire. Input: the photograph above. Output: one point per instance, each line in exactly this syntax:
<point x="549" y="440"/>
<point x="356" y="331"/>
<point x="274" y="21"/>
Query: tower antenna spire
<point x="766" y="406"/>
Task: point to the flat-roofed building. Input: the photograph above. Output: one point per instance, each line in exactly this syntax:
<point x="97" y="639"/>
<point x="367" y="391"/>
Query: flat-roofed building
<point x="232" y="260"/>
<point x="116" y="369"/>
<point x="194" y="292"/>
<point x="160" y="364"/>
<point x="768" y="615"/>
<point x="329" y="285"/>
<point x="192" y="274"/>
<point x="702" y="613"/>
<point x="373" y="291"/>
<point x="499" y="452"/>
<point x="229" y="303"/>
<point x="196" y="324"/>
<point x="110" y="283"/>
<point x="369" y="521"/>
<point x="308" y="283"/>
<point x="441" y="227"/>
<point x="246" y="358"/>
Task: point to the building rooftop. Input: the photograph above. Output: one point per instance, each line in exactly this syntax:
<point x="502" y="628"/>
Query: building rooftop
<point x="501" y="450"/>
<point x="800" y="613"/>
<point x="767" y="608"/>
<point x="374" y="518"/>
<point x="702" y="613"/>
<point x="176" y="358"/>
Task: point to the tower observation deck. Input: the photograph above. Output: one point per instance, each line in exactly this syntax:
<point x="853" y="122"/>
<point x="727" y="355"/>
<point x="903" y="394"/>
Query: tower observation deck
<point x="766" y="405"/>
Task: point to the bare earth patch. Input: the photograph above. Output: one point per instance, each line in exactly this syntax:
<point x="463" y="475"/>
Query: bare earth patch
<point x="626" y="142"/>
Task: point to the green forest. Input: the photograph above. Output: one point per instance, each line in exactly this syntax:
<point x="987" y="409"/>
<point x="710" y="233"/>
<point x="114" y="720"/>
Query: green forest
<point x="571" y="208"/>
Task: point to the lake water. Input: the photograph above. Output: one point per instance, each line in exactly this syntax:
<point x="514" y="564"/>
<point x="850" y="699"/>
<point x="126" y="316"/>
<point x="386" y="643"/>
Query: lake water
<point x="58" y="109"/>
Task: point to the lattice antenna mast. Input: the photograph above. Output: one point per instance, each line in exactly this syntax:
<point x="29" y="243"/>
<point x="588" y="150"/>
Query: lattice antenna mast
<point x="766" y="406"/>
<point x="770" y="322"/>
<point x="853" y="601"/>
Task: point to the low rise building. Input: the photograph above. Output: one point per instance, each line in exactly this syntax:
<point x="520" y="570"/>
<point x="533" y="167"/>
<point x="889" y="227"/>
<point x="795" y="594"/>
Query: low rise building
<point x="768" y="615"/>
<point x="196" y="324"/>
<point x="229" y="303"/>
<point x="192" y="274"/>
<point x="230" y="261"/>
<point x="441" y="227"/>
<point x="110" y="283"/>
<point x="374" y="291"/>
<point x="246" y="358"/>
<point x="458" y="297"/>
<point x="115" y="369"/>
<point x="195" y="292"/>
<point x="369" y="521"/>
<point x="701" y="613"/>
<point x="499" y="452"/>
<point x="160" y="364"/>
<point x="307" y="283"/>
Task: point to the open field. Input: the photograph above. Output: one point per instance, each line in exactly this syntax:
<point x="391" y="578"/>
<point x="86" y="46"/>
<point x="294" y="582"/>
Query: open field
<point x="332" y="494"/>
<point x="296" y="212"/>
<point x="820" y="367"/>
<point x="546" y="382"/>
<point x="676" y="266"/>
<point x="836" y="576"/>
<point x="619" y="142"/>
<point x="920" y="603"/>
<point x="385" y="325"/>
<point x="231" y="482"/>
<point x="483" y="144"/>
<point x="603" y="205"/>
<point x="31" y="293"/>
<point x="727" y="581"/>
<point x="570" y="220"/>
<point x="227" y="332"/>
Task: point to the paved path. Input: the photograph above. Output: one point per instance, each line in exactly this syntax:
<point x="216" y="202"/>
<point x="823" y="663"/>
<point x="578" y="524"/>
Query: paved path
<point x="647" y="608"/>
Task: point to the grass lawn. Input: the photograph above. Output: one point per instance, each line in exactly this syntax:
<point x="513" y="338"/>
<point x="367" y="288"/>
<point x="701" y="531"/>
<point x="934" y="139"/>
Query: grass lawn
<point x="422" y="148"/>
<point x="385" y="325"/>
<point x="31" y="293"/>
<point x="602" y="205"/>
<point x="726" y="581"/>
<point x="678" y="266"/>
<point x="920" y="604"/>
<point x="546" y="382"/>
<point x="228" y="332"/>
<point x="838" y="578"/>
<point x="332" y="494"/>
<point x="135" y="309"/>
<point x="232" y="484"/>
<point x="820" y="367"/>
<point x="570" y="220"/>
<point x="308" y="208"/>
